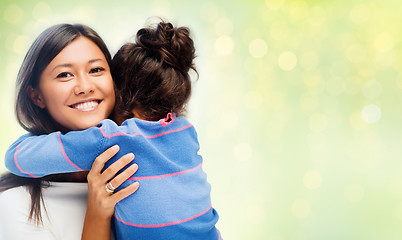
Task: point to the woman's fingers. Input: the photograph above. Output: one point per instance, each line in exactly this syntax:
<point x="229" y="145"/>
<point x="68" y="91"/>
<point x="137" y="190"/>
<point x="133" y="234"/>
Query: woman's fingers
<point x="112" y="170"/>
<point x="101" y="196"/>
<point x="125" y="192"/>
<point x="100" y="161"/>
<point x="119" y="179"/>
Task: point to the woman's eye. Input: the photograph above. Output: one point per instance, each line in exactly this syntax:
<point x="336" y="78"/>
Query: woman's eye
<point x="97" y="70"/>
<point x="64" y="75"/>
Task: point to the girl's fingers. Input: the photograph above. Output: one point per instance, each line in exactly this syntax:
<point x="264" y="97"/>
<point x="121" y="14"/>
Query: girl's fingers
<point x="100" y="161"/>
<point x="112" y="170"/>
<point x="119" y="179"/>
<point x="125" y="192"/>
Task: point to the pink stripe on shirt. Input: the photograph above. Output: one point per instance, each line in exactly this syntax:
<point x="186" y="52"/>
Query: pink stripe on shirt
<point x="164" y="175"/>
<point x="65" y="155"/>
<point x="136" y="134"/>
<point x="163" y="224"/>
<point x="18" y="166"/>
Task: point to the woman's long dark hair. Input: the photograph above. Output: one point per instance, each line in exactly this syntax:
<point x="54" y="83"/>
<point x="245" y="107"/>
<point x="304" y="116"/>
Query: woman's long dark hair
<point x="32" y="118"/>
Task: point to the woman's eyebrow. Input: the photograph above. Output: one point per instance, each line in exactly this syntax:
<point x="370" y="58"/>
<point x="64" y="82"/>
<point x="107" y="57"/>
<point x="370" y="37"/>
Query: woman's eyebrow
<point x="70" y="65"/>
<point x="62" y="65"/>
<point x="95" y="60"/>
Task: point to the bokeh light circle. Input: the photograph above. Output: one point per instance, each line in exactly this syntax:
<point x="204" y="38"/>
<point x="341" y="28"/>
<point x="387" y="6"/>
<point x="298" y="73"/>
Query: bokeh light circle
<point x="258" y="48"/>
<point x="224" y="45"/>
<point x="287" y="60"/>
<point x="371" y="113"/>
<point x="312" y="180"/>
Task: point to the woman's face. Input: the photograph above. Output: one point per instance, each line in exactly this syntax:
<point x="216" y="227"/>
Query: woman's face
<point x="76" y="87"/>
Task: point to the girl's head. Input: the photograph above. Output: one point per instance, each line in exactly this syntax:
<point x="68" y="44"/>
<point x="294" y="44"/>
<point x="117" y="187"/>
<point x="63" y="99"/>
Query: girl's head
<point x="152" y="75"/>
<point x="64" y="82"/>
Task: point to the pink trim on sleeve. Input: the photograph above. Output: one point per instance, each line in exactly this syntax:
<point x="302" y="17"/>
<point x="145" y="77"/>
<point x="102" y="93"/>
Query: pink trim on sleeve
<point x="65" y="155"/>
<point x="18" y="166"/>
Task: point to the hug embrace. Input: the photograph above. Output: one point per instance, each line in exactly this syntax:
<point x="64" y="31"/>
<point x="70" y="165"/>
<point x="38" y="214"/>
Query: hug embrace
<point x="118" y="124"/>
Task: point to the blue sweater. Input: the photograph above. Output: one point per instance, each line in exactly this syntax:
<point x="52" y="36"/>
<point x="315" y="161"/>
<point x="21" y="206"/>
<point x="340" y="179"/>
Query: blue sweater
<point x="173" y="201"/>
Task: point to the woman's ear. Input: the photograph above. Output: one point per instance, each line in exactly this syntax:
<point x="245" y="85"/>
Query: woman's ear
<point x="36" y="97"/>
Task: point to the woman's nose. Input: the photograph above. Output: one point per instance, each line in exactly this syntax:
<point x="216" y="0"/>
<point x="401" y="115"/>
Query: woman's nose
<point x="84" y="85"/>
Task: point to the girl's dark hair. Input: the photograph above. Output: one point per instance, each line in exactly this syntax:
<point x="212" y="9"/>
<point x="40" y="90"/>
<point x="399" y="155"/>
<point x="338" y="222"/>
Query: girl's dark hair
<point x="152" y="74"/>
<point x="32" y="118"/>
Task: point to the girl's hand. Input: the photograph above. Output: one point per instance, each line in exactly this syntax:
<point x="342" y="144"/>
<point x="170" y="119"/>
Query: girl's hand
<point x="101" y="202"/>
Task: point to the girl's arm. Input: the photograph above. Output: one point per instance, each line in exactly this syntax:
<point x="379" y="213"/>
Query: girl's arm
<point x="100" y="202"/>
<point x="37" y="156"/>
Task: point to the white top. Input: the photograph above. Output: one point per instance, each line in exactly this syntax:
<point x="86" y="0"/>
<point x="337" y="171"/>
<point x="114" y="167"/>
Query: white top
<point x="65" y="203"/>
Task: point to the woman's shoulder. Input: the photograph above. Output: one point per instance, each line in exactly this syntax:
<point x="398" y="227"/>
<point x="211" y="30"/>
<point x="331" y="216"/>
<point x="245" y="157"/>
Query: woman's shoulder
<point x="14" y="214"/>
<point x="14" y="205"/>
<point x="63" y="218"/>
<point x="13" y="198"/>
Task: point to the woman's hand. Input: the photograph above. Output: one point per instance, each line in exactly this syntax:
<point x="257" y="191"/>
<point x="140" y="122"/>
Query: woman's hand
<point x="101" y="202"/>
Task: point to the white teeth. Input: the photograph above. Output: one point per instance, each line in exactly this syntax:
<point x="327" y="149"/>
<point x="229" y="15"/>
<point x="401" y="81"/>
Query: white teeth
<point x="86" y="106"/>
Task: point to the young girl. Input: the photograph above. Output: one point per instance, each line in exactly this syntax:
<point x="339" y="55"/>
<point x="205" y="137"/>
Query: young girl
<point x="54" y="207"/>
<point x="152" y="85"/>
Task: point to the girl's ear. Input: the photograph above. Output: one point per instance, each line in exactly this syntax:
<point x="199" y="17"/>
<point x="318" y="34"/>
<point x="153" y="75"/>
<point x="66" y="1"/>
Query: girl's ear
<point x="36" y="97"/>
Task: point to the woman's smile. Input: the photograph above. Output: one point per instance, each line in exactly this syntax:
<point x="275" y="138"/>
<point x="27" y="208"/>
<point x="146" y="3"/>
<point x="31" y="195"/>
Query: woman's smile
<point x="86" y="105"/>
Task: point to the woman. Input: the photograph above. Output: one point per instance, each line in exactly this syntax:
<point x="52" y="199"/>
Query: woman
<point x="64" y="84"/>
<point x="152" y="81"/>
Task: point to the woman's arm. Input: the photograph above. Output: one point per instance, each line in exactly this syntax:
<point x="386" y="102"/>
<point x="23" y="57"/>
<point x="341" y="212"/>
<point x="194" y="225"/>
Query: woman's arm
<point x="101" y="203"/>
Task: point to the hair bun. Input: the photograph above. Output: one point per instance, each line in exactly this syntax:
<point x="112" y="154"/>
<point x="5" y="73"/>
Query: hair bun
<point x="152" y="74"/>
<point x="172" y="46"/>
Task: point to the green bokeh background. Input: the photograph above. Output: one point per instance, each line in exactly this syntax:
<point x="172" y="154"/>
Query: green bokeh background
<point x="297" y="105"/>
